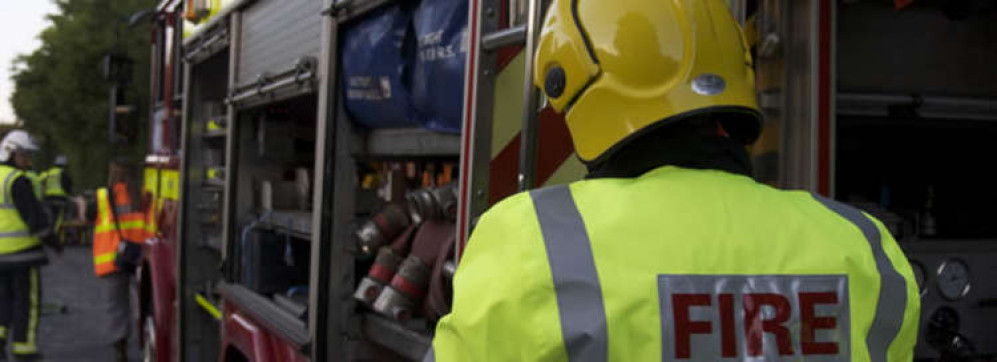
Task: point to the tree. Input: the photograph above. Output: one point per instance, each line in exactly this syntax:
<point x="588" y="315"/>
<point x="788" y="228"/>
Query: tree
<point x="60" y="93"/>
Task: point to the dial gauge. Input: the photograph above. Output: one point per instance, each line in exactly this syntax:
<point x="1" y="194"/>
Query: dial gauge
<point x="953" y="279"/>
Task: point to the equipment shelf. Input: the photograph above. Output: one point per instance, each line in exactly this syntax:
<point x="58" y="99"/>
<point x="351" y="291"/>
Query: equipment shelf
<point x="216" y="134"/>
<point x="268" y="314"/>
<point x="409" y="142"/>
<point x="214" y="183"/>
<point x="297" y="224"/>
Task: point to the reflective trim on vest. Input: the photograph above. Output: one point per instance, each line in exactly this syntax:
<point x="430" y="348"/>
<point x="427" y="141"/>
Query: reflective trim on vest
<point x="104" y="258"/>
<point x="892" y="301"/>
<point x="52" y="183"/>
<point x="105" y="237"/>
<point x="576" y="280"/>
<point x="129" y="225"/>
<point x="8" y="202"/>
<point x="430" y="355"/>
<point x="15" y="236"/>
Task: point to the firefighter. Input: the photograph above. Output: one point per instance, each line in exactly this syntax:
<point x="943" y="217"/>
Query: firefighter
<point x="118" y="233"/>
<point x="24" y="226"/>
<point x="670" y="250"/>
<point x="56" y="186"/>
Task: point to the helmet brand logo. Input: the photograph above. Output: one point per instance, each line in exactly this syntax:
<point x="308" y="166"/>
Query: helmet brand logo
<point x="709" y="84"/>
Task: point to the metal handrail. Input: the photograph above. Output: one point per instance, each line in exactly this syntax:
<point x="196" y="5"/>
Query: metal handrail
<point x="529" y="135"/>
<point x="506" y="37"/>
<point x="303" y="72"/>
<point x="207" y="45"/>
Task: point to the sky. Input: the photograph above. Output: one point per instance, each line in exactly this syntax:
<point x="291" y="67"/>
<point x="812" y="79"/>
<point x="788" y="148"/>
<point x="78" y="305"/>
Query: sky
<point x="20" y="23"/>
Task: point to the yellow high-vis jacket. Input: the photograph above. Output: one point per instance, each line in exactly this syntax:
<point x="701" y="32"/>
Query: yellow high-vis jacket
<point x="679" y="265"/>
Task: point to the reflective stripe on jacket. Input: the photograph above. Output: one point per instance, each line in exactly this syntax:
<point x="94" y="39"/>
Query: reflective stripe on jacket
<point x="131" y="220"/>
<point x="679" y="264"/>
<point x="15" y="236"/>
<point x="106" y="235"/>
<point x="51" y="181"/>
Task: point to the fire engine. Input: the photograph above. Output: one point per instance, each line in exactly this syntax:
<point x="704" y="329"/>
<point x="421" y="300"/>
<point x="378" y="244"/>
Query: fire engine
<point x="318" y="165"/>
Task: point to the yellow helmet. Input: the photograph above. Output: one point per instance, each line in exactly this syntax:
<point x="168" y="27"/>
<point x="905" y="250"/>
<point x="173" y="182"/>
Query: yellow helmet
<point x="617" y="67"/>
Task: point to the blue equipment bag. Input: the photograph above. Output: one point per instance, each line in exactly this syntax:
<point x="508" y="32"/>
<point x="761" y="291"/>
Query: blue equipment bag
<point x="438" y="74"/>
<point x="375" y="58"/>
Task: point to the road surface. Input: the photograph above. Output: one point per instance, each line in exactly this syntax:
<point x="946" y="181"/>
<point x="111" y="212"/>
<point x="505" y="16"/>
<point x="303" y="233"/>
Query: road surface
<point x="75" y="335"/>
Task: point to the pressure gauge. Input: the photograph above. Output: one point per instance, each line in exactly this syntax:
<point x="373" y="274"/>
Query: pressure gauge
<point x="953" y="279"/>
<point x="920" y="276"/>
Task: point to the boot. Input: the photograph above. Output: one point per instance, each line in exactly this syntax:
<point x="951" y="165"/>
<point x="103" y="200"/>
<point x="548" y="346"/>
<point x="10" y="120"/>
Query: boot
<point x="121" y="350"/>
<point x="23" y="357"/>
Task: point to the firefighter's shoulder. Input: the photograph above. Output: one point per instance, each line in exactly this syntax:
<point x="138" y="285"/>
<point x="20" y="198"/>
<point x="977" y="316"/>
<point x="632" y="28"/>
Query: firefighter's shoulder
<point x="511" y="220"/>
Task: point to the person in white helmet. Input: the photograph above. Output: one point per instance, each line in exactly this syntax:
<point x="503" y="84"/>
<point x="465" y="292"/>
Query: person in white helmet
<point x="55" y="188"/>
<point x="24" y="226"/>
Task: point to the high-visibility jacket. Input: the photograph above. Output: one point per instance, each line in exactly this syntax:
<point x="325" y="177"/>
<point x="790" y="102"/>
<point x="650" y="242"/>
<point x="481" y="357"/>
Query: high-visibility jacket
<point x="15" y="236"/>
<point x="679" y="264"/>
<point x="51" y="182"/>
<point x="107" y="236"/>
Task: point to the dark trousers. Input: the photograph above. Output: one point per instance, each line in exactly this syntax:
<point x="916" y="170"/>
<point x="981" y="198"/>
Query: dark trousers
<point x="119" y="306"/>
<point x="20" y="304"/>
<point x="56" y="207"/>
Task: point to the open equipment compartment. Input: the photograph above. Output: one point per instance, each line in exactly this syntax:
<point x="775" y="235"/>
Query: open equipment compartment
<point x="268" y="265"/>
<point x="379" y="176"/>
<point x="916" y="119"/>
<point x="205" y="164"/>
<point x="271" y="251"/>
<point x="269" y="284"/>
<point x="376" y="176"/>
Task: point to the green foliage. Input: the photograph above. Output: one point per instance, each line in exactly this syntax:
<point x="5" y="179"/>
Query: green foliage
<point x="60" y="92"/>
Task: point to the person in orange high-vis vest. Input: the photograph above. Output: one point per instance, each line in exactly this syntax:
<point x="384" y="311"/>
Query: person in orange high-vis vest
<point x="114" y="223"/>
<point x="106" y="235"/>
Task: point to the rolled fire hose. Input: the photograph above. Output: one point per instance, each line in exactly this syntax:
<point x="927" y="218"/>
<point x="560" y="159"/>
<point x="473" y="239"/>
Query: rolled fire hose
<point x="386" y="265"/>
<point x="409" y="287"/>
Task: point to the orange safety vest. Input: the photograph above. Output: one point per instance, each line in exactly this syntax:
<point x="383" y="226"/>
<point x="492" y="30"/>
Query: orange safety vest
<point x="106" y="236"/>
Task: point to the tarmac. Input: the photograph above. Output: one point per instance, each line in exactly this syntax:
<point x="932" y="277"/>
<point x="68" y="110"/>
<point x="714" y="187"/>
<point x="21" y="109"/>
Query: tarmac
<point x="75" y="333"/>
